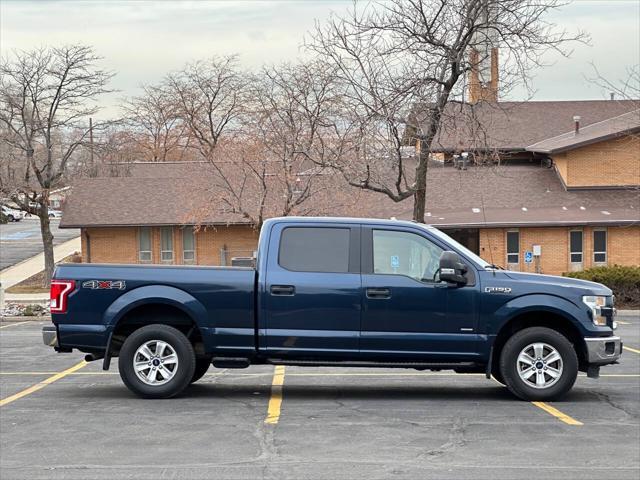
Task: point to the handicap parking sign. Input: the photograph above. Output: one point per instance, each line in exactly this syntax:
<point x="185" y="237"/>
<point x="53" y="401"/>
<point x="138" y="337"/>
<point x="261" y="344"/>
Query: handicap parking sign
<point x="528" y="257"/>
<point x="395" y="261"/>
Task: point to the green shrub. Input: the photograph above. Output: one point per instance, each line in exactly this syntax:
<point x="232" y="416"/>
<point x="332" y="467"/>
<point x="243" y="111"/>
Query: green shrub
<point x="624" y="281"/>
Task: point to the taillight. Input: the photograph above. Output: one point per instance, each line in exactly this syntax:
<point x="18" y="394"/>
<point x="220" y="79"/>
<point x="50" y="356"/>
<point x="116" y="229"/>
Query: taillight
<point x="60" y="290"/>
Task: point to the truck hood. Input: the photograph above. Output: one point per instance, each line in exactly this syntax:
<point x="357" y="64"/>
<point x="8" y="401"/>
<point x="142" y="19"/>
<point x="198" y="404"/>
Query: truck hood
<point x="589" y="288"/>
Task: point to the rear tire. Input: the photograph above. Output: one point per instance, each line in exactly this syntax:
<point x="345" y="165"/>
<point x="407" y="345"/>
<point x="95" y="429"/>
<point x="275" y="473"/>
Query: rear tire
<point x="202" y="366"/>
<point x="157" y="361"/>
<point x="539" y="363"/>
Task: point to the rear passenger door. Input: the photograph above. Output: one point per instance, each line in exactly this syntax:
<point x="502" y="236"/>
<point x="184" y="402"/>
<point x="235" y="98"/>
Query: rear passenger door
<point x="312" y="291"/>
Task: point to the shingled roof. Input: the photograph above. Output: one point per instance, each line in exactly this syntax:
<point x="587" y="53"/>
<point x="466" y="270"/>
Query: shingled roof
<point x="625" y="124"/>
<point x="513" y="126"/>
<point x="183" y="192"/>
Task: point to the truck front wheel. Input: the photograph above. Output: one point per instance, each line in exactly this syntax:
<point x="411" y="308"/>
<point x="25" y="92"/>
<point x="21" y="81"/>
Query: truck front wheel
<point x="157" y="361"/>
<point x="539" y="363"/>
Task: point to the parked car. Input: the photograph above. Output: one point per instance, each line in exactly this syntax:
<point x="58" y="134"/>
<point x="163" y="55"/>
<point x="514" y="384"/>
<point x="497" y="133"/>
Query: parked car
<point x="55" y="213"/>
<point x="337" y="292"/>
<point x="12" y="214"/>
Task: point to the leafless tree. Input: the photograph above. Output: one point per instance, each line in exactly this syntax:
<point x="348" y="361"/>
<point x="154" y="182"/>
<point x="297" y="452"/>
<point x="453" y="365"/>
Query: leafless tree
<point x="404" y="61"/>
<point x="154" y="123"/>
<point x="270" y="168"/>
<point x="627" y="88"/>
<point x="46" y="98"/>
<point x="209" y="97"/>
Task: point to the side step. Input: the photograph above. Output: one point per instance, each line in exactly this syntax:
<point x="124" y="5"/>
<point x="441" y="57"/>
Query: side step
<point x="230" y="362"/>
<point x="358" y="363"/>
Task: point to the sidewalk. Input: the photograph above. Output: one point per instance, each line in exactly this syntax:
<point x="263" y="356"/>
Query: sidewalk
<point x="25" y="269"/>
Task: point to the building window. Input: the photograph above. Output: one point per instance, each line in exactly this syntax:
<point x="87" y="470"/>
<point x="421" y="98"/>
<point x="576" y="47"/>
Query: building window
<point x="313" y="249"/>
<point x="575" y="246"/>
<point x="166" y="244"/>
<point x="600" y="246"/>
<point x="144" y="244"/>
<point x="513" y="247"/>
<point x="188" y="245"/>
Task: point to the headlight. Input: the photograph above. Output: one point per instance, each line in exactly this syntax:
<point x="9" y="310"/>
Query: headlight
<point x="596" y="303"/>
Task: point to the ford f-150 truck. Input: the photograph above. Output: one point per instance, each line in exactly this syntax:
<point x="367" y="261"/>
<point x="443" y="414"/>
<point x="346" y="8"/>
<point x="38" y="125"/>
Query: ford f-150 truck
<point x="337" y="292"/>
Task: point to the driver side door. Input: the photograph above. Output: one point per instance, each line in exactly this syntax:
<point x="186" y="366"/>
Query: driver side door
<point x="405" y="305"/>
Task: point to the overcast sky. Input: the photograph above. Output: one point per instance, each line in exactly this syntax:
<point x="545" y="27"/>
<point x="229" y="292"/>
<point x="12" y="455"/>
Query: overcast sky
<point x="144" y="40"/>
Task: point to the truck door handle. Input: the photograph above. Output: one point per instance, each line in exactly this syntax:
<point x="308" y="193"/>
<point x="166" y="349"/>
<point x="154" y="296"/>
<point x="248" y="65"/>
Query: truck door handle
<point x="283" y="290"/>
<point x="378" y="293"/>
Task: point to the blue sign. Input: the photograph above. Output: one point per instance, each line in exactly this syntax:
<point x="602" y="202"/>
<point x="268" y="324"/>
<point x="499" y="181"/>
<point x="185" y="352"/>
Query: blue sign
<point x="528" y="256"/>
<point x="395" y="261"/>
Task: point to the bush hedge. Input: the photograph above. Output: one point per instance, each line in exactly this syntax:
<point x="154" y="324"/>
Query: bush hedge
<point x="624" y="281"/>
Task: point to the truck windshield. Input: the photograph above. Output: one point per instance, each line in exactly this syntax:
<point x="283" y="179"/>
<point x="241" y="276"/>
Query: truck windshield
<point x="461" y="248"/>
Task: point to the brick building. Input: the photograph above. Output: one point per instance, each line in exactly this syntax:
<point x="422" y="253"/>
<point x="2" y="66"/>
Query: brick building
<point x="574" y="198"/>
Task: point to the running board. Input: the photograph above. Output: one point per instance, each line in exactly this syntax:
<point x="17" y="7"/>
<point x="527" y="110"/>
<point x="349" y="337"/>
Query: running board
<point x="357" y="363"/>
<point x="231" y="362"/>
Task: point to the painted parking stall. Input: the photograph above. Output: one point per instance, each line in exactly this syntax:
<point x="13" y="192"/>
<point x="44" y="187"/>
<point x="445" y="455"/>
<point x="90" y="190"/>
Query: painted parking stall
<point x="331" y="422"/>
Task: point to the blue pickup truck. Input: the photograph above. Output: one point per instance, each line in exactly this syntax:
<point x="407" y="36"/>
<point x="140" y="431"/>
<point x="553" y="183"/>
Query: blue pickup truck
<point x="337" y="292"/>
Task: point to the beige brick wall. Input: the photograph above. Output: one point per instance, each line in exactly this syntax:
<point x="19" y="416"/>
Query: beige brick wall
<point x="120" y="244"/>
<point x="623" y="247"/>
<point x="110" y="245"/>
<point x="614" y="162"/>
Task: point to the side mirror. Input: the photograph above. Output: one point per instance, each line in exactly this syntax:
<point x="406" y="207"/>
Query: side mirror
<point x="452" y="269"/>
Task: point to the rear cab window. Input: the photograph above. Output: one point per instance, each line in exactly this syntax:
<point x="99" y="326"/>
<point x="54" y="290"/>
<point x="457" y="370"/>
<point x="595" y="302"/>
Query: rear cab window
<point x="315" y="249"/>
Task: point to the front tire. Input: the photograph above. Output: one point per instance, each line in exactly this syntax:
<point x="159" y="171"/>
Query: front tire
<point x="539" y="363"/>
<point x="157" y="361"/>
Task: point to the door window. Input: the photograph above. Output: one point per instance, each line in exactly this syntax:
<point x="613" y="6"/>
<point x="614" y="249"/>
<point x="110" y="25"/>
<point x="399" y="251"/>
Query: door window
<point x="600" y="246"/>
<point x="404" y="253"/>
<point x="575" y="243"/>
<point x="513" y="247"/>
<point x="315" y="249"/>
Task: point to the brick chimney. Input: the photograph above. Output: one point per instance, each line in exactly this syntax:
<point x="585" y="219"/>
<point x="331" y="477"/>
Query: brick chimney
<point x="483" y="57"/>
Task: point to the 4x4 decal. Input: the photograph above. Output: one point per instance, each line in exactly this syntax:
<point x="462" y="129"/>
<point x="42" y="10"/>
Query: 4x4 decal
<point x="104" y="284"/>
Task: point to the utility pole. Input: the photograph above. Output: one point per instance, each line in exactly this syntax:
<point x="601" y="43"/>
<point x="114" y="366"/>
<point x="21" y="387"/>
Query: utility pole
<point x="91" y="162"/>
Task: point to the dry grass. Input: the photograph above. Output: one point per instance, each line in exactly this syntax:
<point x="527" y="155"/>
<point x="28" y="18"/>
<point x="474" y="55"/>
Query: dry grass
<point x="35" y="283"/>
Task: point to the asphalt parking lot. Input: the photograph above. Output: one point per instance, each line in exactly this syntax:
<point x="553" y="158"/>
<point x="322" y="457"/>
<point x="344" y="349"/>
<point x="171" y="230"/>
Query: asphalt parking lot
<point x="21" y="240"/>
<point x="323" y="423"/>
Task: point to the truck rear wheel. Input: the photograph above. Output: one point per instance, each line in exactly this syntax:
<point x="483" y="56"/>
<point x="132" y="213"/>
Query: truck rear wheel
<point x="539" y="363"/>
<point x="157" y="361"/>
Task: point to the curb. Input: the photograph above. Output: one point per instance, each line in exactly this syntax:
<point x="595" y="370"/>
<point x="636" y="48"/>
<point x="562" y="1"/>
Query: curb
<point x="25" y="319"/>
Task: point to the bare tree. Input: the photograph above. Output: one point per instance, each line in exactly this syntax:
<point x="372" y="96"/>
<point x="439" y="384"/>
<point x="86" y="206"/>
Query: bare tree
<point x="270" y="168"/>
<point x="627" y="88"/>
<point x="209" y="97"/>
<point x="402" y="63"/>
<point x="46" y="99"/>
<point x="154" y="123"/>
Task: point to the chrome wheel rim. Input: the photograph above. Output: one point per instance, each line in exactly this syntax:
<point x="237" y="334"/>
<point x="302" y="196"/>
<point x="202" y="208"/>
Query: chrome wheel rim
<point x="539" y="365"/>
<point x="155" y="362"/>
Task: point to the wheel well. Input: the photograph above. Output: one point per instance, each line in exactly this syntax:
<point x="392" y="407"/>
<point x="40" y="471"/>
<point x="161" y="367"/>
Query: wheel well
<point x="539" y="319"/>
<point x="155" y="314"/>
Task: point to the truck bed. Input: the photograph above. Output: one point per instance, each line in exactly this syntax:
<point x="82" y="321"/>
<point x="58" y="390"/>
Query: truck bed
<point x="220" y="299"/>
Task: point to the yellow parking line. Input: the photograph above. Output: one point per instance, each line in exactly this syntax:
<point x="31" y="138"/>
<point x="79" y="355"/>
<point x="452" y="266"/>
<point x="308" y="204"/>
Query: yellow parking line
<point x="14" y="324"/>
<point x="41" y="385"/>
<point x="346" y="374"/>
<point x="273" y="411"/>
<point x="621" y="322"/>
<point x="631" y="349"/>
<point x="557" y="413"/>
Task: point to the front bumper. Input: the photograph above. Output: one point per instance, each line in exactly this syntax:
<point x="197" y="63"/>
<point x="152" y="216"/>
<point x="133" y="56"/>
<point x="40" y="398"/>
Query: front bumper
<point x="603" y="350"/>
<point x="50" y="336"/>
